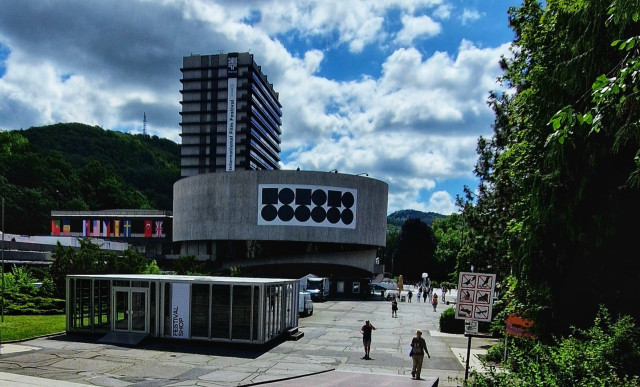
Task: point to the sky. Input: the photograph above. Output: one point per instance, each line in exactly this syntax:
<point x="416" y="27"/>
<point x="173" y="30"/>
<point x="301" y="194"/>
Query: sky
<point x="396" y="89"/>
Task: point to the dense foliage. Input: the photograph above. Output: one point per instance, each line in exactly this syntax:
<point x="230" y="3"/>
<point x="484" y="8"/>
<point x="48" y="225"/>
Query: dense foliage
<point x="22" y="297"/>
<point x="78" y="167"/>
<point x="607" y="354"/>
<point x="559" y="187"/>
<point x="399" y="217"/>
<point x="414" y="251"/>
<point x="90" y="259"/>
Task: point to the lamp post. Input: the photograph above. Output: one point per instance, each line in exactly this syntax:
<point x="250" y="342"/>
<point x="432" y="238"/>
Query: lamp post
<point x="362" y="173"/>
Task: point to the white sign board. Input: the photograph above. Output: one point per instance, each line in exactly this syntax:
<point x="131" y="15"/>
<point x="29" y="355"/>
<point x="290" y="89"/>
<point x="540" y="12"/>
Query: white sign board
<point x="180" y="310"/>
<point x="470" y="327"/>
<point x="232" y="84"/>
<point x="475" y="296"/>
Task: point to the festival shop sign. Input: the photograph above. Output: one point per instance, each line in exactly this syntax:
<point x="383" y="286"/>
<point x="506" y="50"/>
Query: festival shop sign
<point x="180" y="311"/>
<point x="475" y="295"/>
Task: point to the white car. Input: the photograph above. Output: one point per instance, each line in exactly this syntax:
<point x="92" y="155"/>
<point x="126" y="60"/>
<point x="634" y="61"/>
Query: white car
<point x="305" y="304"/>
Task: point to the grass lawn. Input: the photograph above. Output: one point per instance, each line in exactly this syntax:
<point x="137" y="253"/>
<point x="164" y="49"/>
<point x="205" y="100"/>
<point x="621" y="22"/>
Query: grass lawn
<point x="25" y="327"/>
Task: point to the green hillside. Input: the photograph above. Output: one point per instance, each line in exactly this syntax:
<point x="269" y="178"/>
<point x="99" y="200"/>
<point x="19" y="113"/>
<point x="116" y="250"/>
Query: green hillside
<point x="79" y="167"/>
<point x="398" y="218"/>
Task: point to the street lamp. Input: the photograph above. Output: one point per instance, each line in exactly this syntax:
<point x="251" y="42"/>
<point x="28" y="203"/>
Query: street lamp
<point x="362" y="173"/>
<point x="334" y="171"/>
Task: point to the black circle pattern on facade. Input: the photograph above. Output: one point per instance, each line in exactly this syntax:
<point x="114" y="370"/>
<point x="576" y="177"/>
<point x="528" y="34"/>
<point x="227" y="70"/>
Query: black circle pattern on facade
<point x="269" y="212"/>
<point x="302" y="213"/>
<point x="286" y="196"/>
<point x="319" y="197"/>
<point x="348" y="200"/>
<point x="347" y="216"/>
<point x="333" y="215"/>
<point x="285" y="213"/>
<point x="318" y="214"/>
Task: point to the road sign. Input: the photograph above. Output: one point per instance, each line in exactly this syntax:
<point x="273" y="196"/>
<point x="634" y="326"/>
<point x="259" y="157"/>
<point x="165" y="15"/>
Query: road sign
<point x="475" y="295"/>
<point x="470" y="327"/>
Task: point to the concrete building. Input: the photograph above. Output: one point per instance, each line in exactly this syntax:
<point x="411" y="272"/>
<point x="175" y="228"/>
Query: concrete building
<point x="235" y="207"/>
<point x="231" y="115"/>
<point x="285" y="219"/>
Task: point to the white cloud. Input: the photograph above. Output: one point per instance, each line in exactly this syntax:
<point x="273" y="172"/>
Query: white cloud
<point x="470" y="15"/>
<point x="413" y="123"/>
<point x="414" y="27"/>
<point x="443" y="12"/>
<point x="442" y="203"/>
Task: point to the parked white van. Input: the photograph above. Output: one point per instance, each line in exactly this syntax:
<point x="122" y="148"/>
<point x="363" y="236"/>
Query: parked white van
<point x="305" y="305"/>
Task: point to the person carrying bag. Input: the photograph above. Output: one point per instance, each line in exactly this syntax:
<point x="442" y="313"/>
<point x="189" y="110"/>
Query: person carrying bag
<point x="418" y="350"/>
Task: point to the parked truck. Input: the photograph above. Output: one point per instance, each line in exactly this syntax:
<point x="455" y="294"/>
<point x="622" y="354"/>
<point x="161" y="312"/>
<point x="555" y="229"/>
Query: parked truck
<point x="318" y="288"/>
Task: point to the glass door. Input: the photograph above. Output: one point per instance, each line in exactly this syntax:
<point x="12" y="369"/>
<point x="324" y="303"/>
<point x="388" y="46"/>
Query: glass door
<point x="130" y="310"/>
<point x="121" y="310"/>
<point x="139" y="311"/>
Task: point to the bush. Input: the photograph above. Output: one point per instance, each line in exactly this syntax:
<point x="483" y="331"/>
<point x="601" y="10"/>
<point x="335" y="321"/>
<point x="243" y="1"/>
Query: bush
<point x="449" y="323"/>
<point x="19" y="303"/>
<point x="495" y="354"/>
<point x="608" y="354"/>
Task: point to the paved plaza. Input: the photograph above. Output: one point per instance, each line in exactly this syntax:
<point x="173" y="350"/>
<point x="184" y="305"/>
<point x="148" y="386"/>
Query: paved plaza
<point x="329" y="354"/>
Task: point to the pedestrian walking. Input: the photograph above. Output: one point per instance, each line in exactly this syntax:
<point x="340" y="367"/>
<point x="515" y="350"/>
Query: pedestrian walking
<point x="419" y="294"/>
<point x="425" y="295"/>
<point x="434" y="301"/>
<point x="394" y="307"/>
<point x="418" y="349"/>
<point x="410" y="294"/>
<point x="366" y="338"/>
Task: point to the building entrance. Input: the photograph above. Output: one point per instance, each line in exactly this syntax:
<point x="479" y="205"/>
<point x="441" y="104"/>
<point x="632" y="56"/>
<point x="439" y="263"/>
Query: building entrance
<point x="131" y="311"/>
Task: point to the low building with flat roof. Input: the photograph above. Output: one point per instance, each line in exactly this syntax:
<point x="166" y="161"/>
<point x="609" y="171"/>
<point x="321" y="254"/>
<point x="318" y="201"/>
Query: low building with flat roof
<point x="222" y="309"/>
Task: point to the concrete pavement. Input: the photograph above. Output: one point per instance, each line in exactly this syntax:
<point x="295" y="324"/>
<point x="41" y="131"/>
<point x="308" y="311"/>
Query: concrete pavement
<point x="330" y="354"/>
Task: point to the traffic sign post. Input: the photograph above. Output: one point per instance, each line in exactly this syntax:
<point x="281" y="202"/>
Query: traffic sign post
<point x="474" y="303"/>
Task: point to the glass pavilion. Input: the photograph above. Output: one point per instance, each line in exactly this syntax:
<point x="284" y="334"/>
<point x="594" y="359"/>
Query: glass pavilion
<point x="226" y="309"/>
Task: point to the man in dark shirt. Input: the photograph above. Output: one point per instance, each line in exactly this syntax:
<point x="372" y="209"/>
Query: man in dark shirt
<point x="366" y="338"/>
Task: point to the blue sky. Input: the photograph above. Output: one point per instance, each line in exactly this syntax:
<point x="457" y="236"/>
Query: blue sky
<point x="394" y="88"/>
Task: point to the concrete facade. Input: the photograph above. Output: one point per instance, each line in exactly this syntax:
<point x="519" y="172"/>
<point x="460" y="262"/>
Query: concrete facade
<point x="224" y="206"/>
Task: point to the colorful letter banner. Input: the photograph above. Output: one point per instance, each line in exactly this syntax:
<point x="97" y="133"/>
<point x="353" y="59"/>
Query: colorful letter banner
<point x="66" y="227"/>
<point x="55" y="227"/>
<point x="116" y="228"/>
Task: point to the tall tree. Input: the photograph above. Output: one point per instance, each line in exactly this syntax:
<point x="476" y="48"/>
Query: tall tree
<point x="557" y="195"/>
<point x="414" y="251"/>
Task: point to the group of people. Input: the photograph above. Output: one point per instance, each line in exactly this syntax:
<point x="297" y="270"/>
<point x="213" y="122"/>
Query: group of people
<point x="417" y="352"/>
<point x="427" y="294"/>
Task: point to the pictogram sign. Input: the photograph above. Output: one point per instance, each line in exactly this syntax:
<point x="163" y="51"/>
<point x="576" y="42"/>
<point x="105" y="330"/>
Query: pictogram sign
<point x="475" y="295"/>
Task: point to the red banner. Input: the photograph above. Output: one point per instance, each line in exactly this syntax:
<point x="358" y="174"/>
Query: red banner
<point x="147" y="229"/>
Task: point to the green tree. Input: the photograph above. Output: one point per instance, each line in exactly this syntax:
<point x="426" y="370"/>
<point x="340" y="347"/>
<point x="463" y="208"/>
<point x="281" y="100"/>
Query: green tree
<point x="557" y="193"/>
<point x="448" y="234"/>
<point x="414" y="251"/>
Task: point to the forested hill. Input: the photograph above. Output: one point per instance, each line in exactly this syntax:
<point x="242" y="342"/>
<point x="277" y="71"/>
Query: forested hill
<point x="74" y="166"/>
<point x="398" y="218"/>
<point x="148" y="163"/>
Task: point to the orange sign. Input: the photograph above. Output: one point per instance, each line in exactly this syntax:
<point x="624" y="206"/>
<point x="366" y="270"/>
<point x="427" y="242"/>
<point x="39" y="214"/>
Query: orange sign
<point x="518" y="326"/>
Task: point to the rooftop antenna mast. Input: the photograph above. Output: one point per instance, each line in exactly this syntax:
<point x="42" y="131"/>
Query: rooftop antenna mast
<point x="144" y="124"/>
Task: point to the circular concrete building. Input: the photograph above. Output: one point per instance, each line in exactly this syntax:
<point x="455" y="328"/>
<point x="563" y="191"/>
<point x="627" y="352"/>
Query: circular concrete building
<point x="279" y="218"/>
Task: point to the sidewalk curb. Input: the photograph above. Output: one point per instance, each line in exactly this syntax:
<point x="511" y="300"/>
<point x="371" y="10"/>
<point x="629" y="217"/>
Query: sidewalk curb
<point x="290" y="378"/>
<point x="33" y="338"/>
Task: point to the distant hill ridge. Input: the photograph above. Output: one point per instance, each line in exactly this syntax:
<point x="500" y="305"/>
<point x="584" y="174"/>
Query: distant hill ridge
<point x="399" y="217"/>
